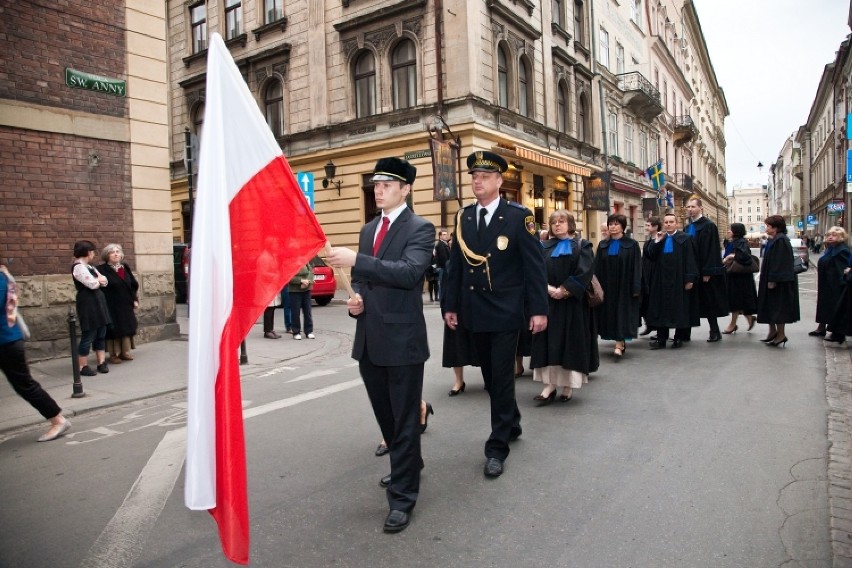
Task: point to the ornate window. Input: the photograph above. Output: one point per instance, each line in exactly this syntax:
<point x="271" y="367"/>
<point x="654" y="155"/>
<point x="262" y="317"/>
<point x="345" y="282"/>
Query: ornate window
<point x="525" y="99"/>
<point x="502" y="78"/>
<point x="628" y="139"/>
<point x="198" y="121"/>
<point x="582" y="119"/>
<point x="404" y="72"/>
<point x="233" y="18"/>
<point x="273" y="104"/>
<point x="636" y="12"/>
<point x="273" y="10"/>
<point x="603" y="56"/>
<point x="612" y="120"/>
<point x="558" y="14"/>
<point x="579" y="30"/>
<point x="644" y="162"/>
<point x="198" y="25"/>
<point x="562" y="108"/>
<point x="619" y="58"/>
<point x="365" y="85"/>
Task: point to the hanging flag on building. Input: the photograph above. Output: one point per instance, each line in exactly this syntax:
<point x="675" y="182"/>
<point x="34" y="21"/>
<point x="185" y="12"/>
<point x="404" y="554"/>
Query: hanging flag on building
<point x="656" y="175"/>
<point x="253" y="229"/>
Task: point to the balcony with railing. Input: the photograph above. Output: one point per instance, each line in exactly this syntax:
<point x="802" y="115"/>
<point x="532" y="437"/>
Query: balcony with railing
<point x="685" y="130"/>
<point x="640" y="95"/>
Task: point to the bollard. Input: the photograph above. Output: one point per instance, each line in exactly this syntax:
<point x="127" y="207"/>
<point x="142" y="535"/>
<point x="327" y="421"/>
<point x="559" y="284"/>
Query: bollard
<point x="243" y="353"/>
<point x="77" y="391"/>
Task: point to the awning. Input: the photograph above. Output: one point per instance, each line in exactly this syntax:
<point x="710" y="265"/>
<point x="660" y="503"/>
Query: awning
<point x="551" y="162"/>
<point x="630" y="189"/>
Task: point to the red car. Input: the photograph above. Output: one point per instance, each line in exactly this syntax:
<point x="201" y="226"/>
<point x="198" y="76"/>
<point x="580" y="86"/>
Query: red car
<point x="324" y="282"/>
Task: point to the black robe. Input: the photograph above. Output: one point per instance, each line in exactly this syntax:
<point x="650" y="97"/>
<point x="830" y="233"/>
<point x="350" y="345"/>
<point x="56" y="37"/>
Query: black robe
<point x="742" y="295"/>
<point x="120" y="295"/>
<point x="620" y="276"/>
<point x="713" y="294"/>
<point x="647" y="268"/>
<point x="841" y="320"/>
<point x="830" y="282"/>
<point x="669" y="303"/>
<point x="570" y="340"/>
<point x="780" y="304"/>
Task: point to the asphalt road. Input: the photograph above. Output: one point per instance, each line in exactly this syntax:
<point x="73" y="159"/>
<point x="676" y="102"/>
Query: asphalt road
<point x="713" y="455"/>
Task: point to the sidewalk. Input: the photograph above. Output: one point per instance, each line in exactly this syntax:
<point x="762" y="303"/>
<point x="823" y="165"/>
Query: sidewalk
<point x="159" y="368"/>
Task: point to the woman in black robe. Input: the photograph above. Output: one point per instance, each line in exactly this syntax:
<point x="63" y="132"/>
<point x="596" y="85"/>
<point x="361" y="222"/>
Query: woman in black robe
<point x="841" y="321"/>
<point x="122" y="297"/>
<point x="830" y="283"/>
<point x="618" y="267"/>
<point x="742" y="295"/>
<point x="566" y="352"/>
<point x="653" y="226"/>
<point x="778" y="289"/>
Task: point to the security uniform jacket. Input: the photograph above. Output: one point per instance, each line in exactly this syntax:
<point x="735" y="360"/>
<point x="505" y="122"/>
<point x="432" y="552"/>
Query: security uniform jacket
<point x="516" y="267"/>
<point x="392" y="326"/>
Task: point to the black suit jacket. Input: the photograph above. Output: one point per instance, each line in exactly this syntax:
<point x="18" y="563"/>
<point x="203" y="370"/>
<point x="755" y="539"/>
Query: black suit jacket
<point x="392" y="326"/>
<point x="518" y="287"/>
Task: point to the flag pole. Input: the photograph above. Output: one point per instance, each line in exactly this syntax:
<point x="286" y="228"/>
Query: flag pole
<point x="340" y="274"/>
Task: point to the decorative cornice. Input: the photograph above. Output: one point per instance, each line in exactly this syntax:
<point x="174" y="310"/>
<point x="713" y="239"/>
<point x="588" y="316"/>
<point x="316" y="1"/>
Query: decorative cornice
<point x="380" y="15"/>
<point x="498" y="8"/>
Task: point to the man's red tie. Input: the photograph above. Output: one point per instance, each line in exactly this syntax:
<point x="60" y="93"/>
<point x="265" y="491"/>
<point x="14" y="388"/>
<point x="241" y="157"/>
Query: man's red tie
<point x="381" y="236"/>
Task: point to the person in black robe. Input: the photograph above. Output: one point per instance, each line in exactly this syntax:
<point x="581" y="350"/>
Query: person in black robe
<point x="778" y="289"/>
<point x="671" y="296"/>
<point x="122" y="297"/>
<point x="653" y="226"/>
<point x="742" y="295"/>
<point x="566" y="352"/>
<point x="841" y="321"/>
<point x="618" y="266"/>
<point x="830" y="283"/>
<point x="711" y="290"/>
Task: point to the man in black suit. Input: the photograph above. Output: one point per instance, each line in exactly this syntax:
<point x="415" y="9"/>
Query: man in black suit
<point x="496" y="274"/>
<point x="442" y="255"/>
<point x="390" y="344"/>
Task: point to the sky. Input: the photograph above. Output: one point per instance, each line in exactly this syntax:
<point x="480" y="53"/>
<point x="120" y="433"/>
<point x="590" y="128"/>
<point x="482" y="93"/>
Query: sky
<point x="768" y="56"/>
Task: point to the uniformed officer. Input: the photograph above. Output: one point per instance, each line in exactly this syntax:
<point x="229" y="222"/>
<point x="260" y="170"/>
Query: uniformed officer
<point x="497" y="274"/>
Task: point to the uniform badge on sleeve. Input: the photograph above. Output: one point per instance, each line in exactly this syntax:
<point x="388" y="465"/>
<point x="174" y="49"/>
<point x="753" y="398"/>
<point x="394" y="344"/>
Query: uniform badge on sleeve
<point x="529" y="221"/>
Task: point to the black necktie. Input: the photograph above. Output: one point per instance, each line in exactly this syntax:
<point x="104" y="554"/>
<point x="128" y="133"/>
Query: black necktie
<point x="482" y="224"/>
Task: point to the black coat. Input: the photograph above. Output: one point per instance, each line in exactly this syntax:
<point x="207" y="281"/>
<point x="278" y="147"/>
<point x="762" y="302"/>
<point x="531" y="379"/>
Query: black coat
<point x="92" y="311"/>
<point x="780" y="304"/>
<point x="120" y="295"/>
<point x="670" y="304"/>
<point x="442" y="254"/>
<point x="647" y="268"/>
<point x="830" y="282"/>
<point x="713" y="294"/>
<point x="620" y="276"/>
<point x="515" y="282"/>
<point x="570" y="340"/>
<point x="742" y="295"/>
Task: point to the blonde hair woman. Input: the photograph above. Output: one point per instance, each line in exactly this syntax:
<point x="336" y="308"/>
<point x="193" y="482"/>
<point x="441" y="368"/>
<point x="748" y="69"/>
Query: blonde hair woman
<point x="122" y="296"/>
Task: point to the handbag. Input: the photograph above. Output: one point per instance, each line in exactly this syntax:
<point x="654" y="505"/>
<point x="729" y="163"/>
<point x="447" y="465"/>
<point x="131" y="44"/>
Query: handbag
<point x="737" y="268"/>
<point x="799" y="265"/>
<point x="594" y="293"/>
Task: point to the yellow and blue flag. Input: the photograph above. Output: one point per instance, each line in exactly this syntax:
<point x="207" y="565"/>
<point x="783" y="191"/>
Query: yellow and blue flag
<point x="656" y="175"/>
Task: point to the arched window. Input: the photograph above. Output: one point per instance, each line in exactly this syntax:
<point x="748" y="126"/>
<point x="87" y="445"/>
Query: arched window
<point x="365" y="85"/>
<point x="525" y="98"/>
<point x="582" y="117"/>
<point x="404" y="70"/>
<point x="562" y="108"/>
<point x="502" y="78"/>
<point x="273" y="103"/>
<point x="198" y="121"/>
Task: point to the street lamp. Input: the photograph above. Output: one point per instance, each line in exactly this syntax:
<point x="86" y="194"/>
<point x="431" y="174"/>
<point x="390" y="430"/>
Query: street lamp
<point x="759" y="167"/>
<point x="330" y="171"/>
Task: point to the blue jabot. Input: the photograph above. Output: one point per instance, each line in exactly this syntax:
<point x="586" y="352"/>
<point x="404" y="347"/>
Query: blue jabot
<point x="562" y="248"/>
<point x="668" y="247"/>
<point x="729" y="248"/>
<point x="614" y="247"/>
<point x="690" y="229"/>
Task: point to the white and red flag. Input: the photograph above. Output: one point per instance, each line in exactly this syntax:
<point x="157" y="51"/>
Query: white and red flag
<point x="252" y="231"/>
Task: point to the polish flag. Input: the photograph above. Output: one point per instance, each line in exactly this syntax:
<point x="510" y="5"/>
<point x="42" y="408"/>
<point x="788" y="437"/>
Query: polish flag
<point x="252" y="231"/>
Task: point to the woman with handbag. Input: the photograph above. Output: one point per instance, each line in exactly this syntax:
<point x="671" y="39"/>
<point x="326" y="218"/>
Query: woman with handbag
<point x="740" y="265"/>
<point x="778" y="289"/>
<point x="13" y="361"/>
<point x="566" y="352"/>
<point x="830" y="283"/>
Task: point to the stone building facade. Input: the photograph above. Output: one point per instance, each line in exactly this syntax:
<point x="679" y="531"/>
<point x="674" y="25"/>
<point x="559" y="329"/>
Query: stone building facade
<point x="84" y="154"/>
<point x="345" y="82"/>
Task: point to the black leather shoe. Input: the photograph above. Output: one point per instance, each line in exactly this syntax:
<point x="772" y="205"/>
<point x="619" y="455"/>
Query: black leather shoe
<point x="385" y="481"/>
<point x="677" y="343"/>
<point x="714" y="337"/>
<point x="381" y="450"/>
<point x="493" y="467"/>
<point x="396" y="521"/>
<point x="658" y="345"/>
<point x="653" y="338"/>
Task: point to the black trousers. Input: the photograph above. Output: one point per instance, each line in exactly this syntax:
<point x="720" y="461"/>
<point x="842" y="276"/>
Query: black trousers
<point x="687" y="331"/>
<point x="268" y="320"/>
<point x="395" y="394"/>
<point x="13" y="363"/>
<point x="496" y="352"/>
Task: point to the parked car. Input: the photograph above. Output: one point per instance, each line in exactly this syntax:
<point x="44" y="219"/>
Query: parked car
<point x="180" y="258"/>
<point x="324" y="282"/>
<point x="800" y="250"/>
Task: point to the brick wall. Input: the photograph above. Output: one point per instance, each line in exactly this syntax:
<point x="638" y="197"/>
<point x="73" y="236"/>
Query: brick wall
<point x="52" y="195"/>
<point x="46" y="37"/>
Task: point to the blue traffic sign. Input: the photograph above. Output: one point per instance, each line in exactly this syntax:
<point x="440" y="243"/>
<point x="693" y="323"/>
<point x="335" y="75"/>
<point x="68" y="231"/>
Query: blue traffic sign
<point x="800" y="224"/>
<point x="306" y="184"/>
<point x="811" y="219"/>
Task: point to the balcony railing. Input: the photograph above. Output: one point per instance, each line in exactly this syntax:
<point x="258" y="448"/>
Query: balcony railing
<point x="640" y="95"/>
<point x="684" y="129"/>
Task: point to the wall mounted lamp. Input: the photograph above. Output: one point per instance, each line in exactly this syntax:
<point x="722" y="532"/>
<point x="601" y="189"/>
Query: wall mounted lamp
<point x="330" y="171"/>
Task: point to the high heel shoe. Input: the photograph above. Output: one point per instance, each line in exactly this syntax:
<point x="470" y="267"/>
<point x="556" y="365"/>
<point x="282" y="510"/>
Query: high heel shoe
<point x="426" y="417"/>
<point x="729" y="331"/>
<point x="519" y="373"/>
<point x="619" y="350"/>
<point x="545" y="400"/>
<point x="770" y="338"/>
<point x="751" y="321"/>
<point x="460" y="390"/>
<point x="779" y="343"/>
